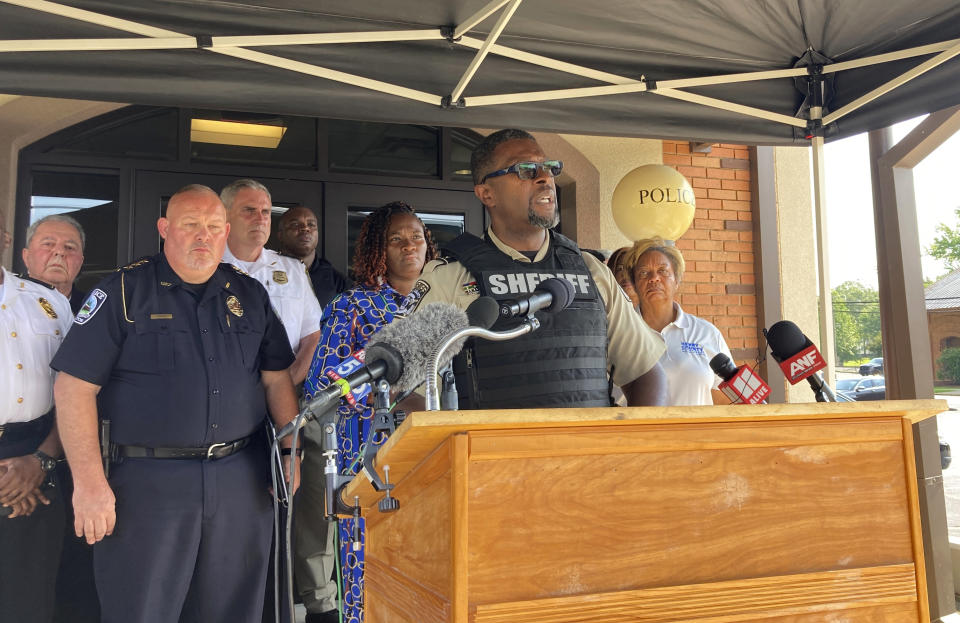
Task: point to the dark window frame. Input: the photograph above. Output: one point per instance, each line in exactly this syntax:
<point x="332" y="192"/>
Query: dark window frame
<point x="37" y="157"/>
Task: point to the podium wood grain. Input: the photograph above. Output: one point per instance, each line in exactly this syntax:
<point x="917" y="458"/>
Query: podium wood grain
<point x="719" y="514"/>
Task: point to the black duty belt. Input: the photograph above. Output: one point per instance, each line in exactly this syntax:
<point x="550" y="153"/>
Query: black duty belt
<point x="15" y="431"/>
<point x="19" y="438"/>
<point x="207" y="453"/>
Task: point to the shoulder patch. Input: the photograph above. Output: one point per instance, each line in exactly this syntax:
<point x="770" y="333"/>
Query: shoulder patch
<point x="412" y="301"/>
<point x="91" y="306"/>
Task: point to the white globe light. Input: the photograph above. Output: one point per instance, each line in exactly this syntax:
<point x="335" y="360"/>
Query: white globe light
<point x="653" y="200"/>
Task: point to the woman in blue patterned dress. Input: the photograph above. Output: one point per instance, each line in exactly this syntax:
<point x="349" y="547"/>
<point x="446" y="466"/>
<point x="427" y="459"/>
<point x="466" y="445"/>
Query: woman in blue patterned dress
<point x="391" y="250"/>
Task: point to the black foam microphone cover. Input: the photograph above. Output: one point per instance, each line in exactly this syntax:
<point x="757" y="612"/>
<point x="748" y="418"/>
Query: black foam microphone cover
<point x="483" y="312"/>
<point x="723" y="367"/>
<point x="786" y="340"/>
<point x="562" y="292"/>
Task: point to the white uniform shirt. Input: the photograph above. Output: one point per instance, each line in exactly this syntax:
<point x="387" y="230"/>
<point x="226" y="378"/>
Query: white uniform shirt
<point x="33" y="321"/>
<point x="691" y="343"/>
<point x="291" y="294"/>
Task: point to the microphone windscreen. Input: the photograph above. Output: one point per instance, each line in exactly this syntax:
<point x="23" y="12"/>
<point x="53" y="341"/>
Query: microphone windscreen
<point x="723" y="367"/>
<point x="381" y="351"/>
<point x="416" y="336"/>
<point x="786" y="339"/>
<point x="483" y="312"/>
<point x="562" y="292"/>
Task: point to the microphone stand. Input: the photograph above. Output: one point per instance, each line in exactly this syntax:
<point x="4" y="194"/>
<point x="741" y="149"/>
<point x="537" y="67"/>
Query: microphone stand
<point x="823" y="392"/>
<point x="530" y="323"/>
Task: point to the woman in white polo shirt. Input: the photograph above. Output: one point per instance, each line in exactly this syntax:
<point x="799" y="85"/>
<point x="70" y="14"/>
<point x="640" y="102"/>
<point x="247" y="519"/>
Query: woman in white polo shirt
<point x="655" y="268"/>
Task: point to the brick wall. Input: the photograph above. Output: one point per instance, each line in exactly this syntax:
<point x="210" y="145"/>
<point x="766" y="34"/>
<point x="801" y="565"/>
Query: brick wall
<point x="719" y="282"/>
<point x="942" y="325"/>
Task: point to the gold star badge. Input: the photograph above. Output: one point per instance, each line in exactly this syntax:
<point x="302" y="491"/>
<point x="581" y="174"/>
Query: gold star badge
<point x="234" y="306"/>
<point x="280" y="276"/>
<point x="47" y="307"/>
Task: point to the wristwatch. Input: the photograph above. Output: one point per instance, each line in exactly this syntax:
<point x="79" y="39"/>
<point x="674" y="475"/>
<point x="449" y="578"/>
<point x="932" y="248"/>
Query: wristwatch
<point x="47" y="462"/>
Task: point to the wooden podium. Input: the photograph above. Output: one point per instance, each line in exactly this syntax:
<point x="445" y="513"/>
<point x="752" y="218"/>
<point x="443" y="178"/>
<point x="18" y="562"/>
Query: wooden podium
<point x="800" y="512"/>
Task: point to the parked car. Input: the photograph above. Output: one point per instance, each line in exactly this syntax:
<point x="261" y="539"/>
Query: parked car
<point x="865" y="388"/>
<point x="945" y="457"/>
<point x="874" y="366"/>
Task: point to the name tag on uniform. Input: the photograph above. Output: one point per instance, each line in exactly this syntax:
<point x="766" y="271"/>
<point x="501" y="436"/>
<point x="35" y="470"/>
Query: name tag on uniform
<point x="500" y="284"/>
<point x="161" y="316"/>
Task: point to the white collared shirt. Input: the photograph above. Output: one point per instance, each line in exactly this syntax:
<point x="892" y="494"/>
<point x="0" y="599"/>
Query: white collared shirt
<point x="33" y="321"/>
<point x="291" y="294"/>
<point x="691" y="343"/>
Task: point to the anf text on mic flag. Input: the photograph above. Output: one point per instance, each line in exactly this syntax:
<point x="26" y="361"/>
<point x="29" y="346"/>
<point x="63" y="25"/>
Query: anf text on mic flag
<point x="803" y="364"/>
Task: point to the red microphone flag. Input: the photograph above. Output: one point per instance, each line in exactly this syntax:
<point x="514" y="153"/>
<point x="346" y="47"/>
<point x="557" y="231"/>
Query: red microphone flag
<point x="803" y="364"/>
<point x="745" y="387"/>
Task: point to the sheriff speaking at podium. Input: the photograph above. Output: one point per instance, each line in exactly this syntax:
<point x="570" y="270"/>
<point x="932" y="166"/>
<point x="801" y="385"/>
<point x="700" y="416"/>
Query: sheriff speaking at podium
<point x="565" y="363"/>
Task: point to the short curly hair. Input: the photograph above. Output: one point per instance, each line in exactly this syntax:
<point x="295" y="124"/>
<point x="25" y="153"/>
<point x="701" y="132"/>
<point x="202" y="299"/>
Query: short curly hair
<point x="370" y="252"/>
<point x="632" y="257"/>
<point x="481" y="159"/>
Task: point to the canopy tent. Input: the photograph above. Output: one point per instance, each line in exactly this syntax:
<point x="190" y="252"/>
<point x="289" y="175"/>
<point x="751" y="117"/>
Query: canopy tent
<point x="684" y="69"/>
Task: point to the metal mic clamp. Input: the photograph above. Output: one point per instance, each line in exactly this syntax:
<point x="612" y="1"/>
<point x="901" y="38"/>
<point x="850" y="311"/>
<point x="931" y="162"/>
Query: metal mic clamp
<point x="355" y="544"/>
<point x="334" y="481"/>
<point x="382" y="423"/>
<point x="388" y="504"/>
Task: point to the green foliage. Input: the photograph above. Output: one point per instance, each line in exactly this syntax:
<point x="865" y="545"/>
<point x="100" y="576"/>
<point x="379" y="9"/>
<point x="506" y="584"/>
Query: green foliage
<point x="946" y="245"/>
<point x="856" y="321"/>
<point x="949" y="363"/>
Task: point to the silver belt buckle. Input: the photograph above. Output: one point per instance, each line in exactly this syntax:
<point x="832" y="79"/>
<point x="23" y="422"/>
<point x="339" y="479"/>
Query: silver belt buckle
<point x="214" y="447"/>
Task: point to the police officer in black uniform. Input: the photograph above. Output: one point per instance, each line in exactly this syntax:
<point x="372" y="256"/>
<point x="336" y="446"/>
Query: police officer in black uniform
<point x="566" y="363"/>
<point x="184" y="356"/>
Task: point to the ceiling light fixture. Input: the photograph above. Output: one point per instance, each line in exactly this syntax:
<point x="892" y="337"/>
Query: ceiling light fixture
<point x="236" y="133"/>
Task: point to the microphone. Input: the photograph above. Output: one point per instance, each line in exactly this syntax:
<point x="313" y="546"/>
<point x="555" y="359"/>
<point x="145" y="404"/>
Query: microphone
<point x="483" y="312"/>
<point x="415" y="336"/>
<point x="741" y="385"/>
<point x="798" y="358"/>
<point x="397" y="353"/>
<point x="551" y="295"/>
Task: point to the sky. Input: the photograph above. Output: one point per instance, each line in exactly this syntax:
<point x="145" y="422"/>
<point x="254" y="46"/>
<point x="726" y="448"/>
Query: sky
<point x="849" y="206"/>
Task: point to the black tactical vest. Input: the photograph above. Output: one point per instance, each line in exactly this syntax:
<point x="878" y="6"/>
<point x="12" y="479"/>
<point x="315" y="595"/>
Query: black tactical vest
<point x="563" y="363"/>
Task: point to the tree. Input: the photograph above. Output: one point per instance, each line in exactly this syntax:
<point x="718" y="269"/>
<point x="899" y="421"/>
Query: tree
<point x="946" y="245"/>
<point x="856" y="321"/>
<point x="949" y="362"/>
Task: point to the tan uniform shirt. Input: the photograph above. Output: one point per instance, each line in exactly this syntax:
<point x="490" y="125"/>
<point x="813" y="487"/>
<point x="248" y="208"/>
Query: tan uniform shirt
<point x="632" y="347"/>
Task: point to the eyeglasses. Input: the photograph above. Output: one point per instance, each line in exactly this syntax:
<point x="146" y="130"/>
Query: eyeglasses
<point x="528" y="170"/>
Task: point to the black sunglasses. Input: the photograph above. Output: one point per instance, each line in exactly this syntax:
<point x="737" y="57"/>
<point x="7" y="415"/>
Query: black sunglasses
<point x="528" y="170"/>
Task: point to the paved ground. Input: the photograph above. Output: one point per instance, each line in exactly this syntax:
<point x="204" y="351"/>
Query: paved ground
<point x="949" y="427"/>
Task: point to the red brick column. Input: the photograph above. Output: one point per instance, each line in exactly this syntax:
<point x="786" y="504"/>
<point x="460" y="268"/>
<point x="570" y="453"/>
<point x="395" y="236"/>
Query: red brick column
<point x="719" y="282"/>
